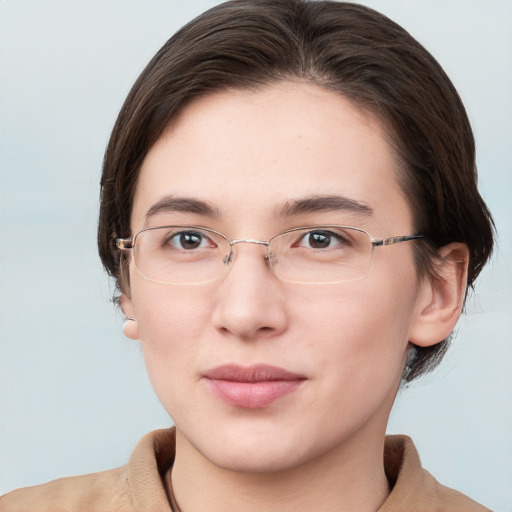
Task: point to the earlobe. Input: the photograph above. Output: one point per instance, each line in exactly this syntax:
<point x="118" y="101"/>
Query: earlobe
<point x="130" y="325"/>
<point x="441" y="298"/>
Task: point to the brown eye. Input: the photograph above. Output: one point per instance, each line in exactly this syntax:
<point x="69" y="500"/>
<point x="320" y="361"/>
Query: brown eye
<point x="189" y="240"/>
<point x="319" y="239"/>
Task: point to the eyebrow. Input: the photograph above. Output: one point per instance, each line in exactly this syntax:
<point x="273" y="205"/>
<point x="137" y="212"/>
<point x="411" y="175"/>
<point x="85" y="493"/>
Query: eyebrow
<point x="171" y="204"/>
<point x="314" y="204"/>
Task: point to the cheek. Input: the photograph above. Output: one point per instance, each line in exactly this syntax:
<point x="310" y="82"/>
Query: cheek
<point x="360" y="330"/>
<point x="171" y="321"/>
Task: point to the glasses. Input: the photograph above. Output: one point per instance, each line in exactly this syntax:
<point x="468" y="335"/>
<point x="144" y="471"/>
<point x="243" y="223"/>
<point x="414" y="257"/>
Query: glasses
<point x="309" y="255"/>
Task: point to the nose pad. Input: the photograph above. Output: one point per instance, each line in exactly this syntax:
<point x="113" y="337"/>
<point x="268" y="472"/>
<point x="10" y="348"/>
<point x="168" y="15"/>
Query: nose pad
<point x="228" y="259"/>
<point x="271" y="259"/>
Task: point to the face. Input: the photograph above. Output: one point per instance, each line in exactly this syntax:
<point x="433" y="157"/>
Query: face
<point x="328" y="358"/>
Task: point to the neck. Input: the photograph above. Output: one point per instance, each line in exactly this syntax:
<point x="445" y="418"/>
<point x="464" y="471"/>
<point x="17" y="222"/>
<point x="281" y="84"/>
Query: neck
<point x="349" y="477"/>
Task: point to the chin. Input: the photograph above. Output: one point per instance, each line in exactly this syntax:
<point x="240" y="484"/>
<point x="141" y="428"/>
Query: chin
<point x="245" y="448"/>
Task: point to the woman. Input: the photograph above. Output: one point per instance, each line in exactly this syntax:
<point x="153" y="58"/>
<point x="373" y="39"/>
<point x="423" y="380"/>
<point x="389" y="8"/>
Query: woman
<point x="289" y="208"/>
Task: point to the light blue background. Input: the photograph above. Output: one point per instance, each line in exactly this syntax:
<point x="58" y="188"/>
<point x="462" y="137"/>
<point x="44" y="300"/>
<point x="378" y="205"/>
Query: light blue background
<point x="74" y="397"/>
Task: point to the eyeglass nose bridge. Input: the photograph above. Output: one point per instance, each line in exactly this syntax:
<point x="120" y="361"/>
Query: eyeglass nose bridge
<point x="230" y="257"/>
<point x="248" y="241"/>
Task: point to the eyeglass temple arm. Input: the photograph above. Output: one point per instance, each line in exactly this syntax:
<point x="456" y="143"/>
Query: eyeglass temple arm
<point x="395" y="240"/>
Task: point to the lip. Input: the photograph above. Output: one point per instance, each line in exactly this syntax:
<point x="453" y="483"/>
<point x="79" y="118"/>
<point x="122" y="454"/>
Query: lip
<point x="252" y="387"/>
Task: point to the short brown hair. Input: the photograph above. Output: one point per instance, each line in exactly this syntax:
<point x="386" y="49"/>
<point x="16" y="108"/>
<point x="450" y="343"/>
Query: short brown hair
<point x="344" y="47"/>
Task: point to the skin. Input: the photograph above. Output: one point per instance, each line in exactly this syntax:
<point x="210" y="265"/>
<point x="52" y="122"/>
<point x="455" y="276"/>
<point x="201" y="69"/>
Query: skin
<point x="247" y="154"/>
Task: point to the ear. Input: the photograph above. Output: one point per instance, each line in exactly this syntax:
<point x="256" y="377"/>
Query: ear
<point x="130" y="326"/>
<point x="441" y="298"/>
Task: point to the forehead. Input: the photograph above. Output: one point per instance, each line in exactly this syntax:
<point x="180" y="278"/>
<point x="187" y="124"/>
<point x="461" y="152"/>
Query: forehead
<point x="249" y="154"/>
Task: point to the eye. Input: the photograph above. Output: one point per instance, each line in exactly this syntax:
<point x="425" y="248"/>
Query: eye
<point x="321" y="239"/>
<point x="189" y="240"/>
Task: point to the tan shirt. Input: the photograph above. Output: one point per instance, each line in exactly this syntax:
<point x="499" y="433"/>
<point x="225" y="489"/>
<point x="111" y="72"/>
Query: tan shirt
<point x="138" y="486"/>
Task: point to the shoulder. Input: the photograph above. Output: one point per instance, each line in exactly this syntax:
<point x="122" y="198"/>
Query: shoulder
<point x="135" y="487"/>
<point x="104" y="491"/>
<point x="414" y="488"/>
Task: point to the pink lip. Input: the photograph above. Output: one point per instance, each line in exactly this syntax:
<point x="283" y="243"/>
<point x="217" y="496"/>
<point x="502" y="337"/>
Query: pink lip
<point x="252" y="387"/>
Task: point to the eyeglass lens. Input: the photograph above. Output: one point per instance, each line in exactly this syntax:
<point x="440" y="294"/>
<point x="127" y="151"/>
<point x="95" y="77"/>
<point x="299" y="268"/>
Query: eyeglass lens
<point x="191" y="255"/>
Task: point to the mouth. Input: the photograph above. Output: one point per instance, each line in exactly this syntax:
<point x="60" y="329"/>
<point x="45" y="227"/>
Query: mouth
<point x="252" y="387"/>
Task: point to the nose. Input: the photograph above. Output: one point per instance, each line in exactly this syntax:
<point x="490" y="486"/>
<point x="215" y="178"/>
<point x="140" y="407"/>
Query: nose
<point x="250" y="300"/>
